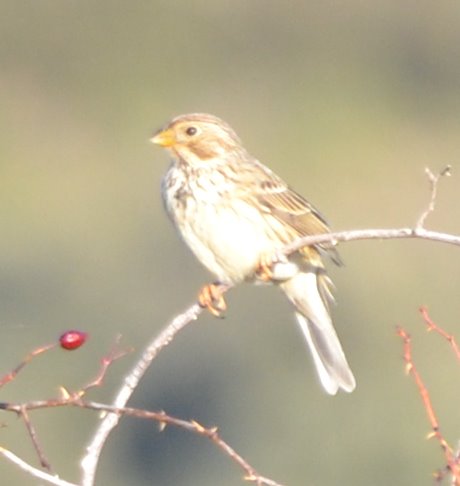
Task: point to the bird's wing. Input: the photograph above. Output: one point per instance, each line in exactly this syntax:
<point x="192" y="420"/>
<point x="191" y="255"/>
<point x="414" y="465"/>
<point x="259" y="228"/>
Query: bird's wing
<point x="290" y="208"/>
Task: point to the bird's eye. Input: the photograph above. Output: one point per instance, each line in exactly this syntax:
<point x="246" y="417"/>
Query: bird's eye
<point x="191" y="131"/>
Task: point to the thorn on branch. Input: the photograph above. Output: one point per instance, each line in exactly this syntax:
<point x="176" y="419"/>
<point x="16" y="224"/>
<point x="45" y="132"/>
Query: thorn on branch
<point x="432" y="326"/>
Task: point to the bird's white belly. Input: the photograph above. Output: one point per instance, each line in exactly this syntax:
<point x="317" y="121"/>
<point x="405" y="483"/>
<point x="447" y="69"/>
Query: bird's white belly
<point x="228" y="241"/>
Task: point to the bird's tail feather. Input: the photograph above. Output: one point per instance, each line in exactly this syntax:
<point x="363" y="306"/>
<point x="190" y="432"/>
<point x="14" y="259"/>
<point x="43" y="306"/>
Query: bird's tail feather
<point x="310" y="292"/>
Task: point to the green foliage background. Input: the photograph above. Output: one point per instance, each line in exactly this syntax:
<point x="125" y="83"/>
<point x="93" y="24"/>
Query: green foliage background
<point x="349" y="102"/>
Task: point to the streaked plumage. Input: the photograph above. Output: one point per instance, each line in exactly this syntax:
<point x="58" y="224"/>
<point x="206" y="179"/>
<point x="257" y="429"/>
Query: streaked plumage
<point x="233" y="212"/>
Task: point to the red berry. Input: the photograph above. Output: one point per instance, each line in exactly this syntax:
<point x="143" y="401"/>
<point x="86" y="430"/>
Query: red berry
<point x="73" y="339"/>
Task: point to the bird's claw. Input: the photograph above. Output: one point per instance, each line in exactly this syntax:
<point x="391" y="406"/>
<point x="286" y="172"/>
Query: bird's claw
<point x="211" y="298"/>
<point x="264" y="271"/>
<point x="273" y="268"/>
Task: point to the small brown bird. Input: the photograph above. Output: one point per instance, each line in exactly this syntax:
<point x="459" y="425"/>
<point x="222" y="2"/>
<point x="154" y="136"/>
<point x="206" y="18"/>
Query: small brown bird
<point x="236" y="214"/>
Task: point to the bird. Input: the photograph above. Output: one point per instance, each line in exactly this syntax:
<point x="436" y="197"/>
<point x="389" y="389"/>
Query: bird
<point x="236" y="215"/>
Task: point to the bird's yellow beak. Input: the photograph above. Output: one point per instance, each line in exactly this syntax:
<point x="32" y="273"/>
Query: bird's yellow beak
<point x="164" y="138"/>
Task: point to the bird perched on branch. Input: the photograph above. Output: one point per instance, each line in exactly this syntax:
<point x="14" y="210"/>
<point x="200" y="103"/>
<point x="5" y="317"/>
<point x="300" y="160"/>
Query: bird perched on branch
<point x="236" y="215"/>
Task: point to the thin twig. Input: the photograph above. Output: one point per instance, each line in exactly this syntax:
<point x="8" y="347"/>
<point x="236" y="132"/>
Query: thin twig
<point x="433" y="179"/>
<point x="113" y="355"/>
<point x="432" y="326"/>
<point x="38" y="473"/>
<point x="457" y="460"/>
<point x="451" y="460"/>
<point x="34" y="438"/>
<point x="13" y="373"/>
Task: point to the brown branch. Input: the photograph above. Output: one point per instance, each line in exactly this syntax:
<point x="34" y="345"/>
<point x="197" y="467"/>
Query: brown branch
<point x="34" y="438"/>
<point x="13" y="373"/>
<point x="434" y="327"/>
<point x="22" y="411"/>
<point x="113" y="355"/>
<point x="453" y="465"/>
<point x="161" y="417"/>
<point x="75" y="399"/>
<point x="192" y="426"/>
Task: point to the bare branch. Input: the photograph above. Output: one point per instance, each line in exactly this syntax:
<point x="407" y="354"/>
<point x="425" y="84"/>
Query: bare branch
<point x="113" y="355"/>
<point x="192" y="426"/>
<point x="33" y="470"/>
<point x="453" y="466"/>
<point x="93" y="450"/>
<point x="161" y="417"/>
<point x="433" y="179"/>
<point x="372" y="234"/>
<point x="33" y="436"/>
<point x="13" y="373"/>
<point x="432" y="326"/>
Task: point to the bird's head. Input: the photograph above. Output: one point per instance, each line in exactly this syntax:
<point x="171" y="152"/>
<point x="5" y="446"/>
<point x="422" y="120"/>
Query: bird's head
<point x="197" y="138"/>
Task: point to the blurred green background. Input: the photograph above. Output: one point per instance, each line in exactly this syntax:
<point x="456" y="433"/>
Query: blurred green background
<point x="349" y="102"/>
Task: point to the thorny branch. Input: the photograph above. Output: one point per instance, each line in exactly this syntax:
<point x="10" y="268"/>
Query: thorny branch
<point x="161" y="417"/>
<point x="451" y="457"/>
<point x="432" y="326"/>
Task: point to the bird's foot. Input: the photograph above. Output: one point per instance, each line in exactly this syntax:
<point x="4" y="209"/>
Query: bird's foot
<point x="211" y="298"/>
<point x="275" y="268"/>
<point x="264" y="270"/>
